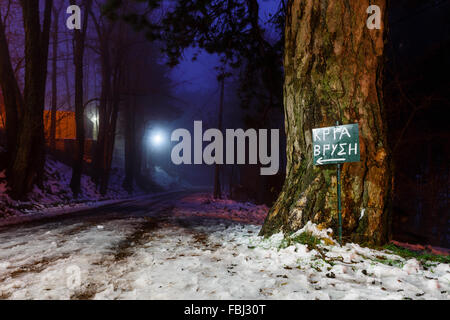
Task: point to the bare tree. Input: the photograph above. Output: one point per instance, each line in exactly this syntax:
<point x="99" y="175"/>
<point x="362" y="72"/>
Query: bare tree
<point x="12" y="96"/>
<point x="79" y="46"/>
<point x="217" y="187"/>
<point x="111" y="50"/>
<point x="56" y="12"/>
<point x="26" y="161"/>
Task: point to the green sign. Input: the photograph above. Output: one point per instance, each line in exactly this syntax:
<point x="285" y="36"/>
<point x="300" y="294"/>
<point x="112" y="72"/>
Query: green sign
<point x="337" y="144"/>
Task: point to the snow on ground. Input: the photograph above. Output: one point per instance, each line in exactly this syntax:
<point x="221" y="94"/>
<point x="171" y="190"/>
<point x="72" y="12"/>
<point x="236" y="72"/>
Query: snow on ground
<point x="201" y="250"/>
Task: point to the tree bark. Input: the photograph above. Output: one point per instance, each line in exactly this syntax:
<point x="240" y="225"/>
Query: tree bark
<point x="333" y="72"/>
<point x="12" y="96"/>
<point x="27" y="166"/>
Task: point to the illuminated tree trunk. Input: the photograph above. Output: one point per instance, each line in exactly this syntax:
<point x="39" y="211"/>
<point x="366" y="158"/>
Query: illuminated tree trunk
<point x="333" y="72"/>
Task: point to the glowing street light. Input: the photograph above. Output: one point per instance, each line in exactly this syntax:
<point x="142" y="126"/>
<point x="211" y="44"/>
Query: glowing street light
<point x="157" y="138"/>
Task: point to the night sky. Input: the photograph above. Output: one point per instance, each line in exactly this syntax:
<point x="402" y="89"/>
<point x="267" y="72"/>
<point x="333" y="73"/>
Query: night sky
<point x="200" y="75"/>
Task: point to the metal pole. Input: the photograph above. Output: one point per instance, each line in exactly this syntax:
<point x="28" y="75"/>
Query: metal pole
<point x="339" y="201"/>
<point x="339" y="197"/>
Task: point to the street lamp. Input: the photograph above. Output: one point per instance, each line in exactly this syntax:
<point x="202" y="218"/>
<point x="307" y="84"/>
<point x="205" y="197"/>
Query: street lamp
<point x="157" y="138"/>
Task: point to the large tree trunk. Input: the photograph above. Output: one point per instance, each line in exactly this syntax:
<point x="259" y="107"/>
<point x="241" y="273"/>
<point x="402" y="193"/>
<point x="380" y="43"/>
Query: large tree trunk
<point x="333" y="71"/>
<point x="12" y="96"/>
<point x="27" y="167"/>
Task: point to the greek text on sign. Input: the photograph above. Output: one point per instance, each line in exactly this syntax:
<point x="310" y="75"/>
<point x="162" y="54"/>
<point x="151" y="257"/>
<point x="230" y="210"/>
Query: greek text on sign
<point x="337" y="144"/>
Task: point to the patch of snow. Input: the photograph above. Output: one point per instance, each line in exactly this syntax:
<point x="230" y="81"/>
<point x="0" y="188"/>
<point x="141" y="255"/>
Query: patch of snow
<point x="315" y="231"/>
<point x="412" y="266"/>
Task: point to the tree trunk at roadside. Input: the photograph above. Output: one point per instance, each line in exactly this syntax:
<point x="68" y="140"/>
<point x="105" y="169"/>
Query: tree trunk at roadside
<point x="217" y="187"/>
<point x="110" y="136"/>
<point x="27" y="166"/>
<point x="139" y="144"/>
<point x="79" y="37"/>
<point x="54" y="78"/>
<point x="103" y="113"/>
<point x="12" y="97"/>
<point x="130" y="143"/>
<point x="333" y="72"/>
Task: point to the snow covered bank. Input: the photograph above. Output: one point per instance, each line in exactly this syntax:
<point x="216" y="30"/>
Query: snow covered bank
<point x="56" y="196"/>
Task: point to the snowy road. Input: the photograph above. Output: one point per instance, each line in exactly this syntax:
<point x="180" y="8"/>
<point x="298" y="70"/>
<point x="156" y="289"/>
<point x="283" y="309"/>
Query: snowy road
<point x="181" y="246"/>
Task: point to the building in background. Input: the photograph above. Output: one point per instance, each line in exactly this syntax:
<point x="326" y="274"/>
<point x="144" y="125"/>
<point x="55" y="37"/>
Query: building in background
<point x="65" y="135"/>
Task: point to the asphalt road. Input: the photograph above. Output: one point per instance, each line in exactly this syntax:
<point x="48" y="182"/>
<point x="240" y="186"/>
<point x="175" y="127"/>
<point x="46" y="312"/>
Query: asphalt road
<point x="144" y="206"/>
<point x="30" y="249"/>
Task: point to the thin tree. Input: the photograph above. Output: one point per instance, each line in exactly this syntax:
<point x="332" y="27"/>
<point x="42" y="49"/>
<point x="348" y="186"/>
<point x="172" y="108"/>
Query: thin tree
<point x="217" y="188"/>
<point x="79" y="46"/>
<point x="56" y="12"/>
<point x="112" y="49"/>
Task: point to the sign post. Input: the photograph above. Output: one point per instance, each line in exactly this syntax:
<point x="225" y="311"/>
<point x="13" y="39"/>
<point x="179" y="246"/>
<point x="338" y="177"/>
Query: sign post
<point x="339" y="200"/>
<point x="336" y="145"/>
